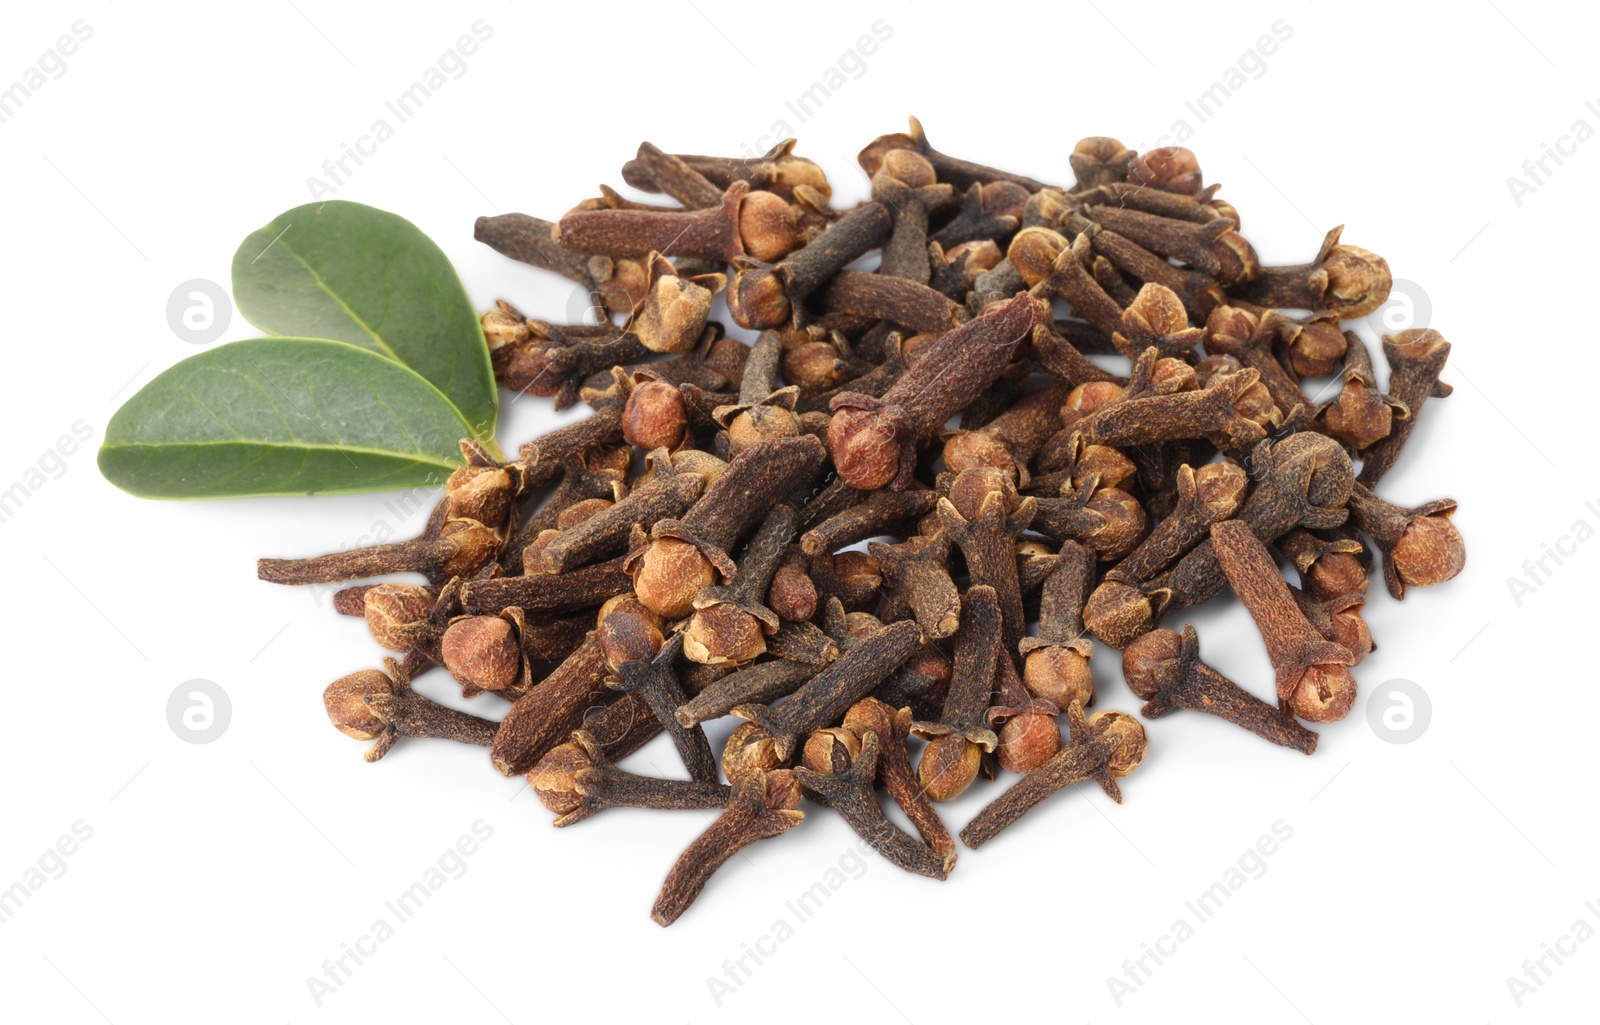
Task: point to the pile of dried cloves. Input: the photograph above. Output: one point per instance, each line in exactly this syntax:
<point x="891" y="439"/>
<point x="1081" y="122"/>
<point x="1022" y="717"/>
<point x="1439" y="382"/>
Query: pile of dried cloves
<point x="809" y="546"/>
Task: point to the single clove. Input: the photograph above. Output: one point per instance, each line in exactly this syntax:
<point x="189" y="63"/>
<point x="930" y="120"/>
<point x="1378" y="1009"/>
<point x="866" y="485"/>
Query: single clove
<point x="1313" y="675"/>
<point x="763" y="296"/>
<point x="461" y="548"/>
<point x="759" y="224"/>
<point x="1029" y="735"/>
<point x="959" y="173"/>
<point x="916" y="574"/>
<point x="554" y="361"/>
<point x="382" y="707"/>
<point x="961" y="735"/>
<point x="584" y="588"/>
<point x="829" y="694"/>
<point x="892" y="727"/>
<point x="1055" y="664"/>
<point x="550" y="710"/>
<point x="873" y="440"/>
<point x="1341" y="279"/>
<point x="730" y="621"/>
<point x="1109" y="745"/>
<point x="679" y="557"/>
<point x="897" y="300"/>
<point x="762" y="805"/>
<point x="1165" y="671"/>
<point x="1420" y="546"/>
<point x="1416" y="358"/>
<point x="669" y="491"/>
<point x="905" y="183"/>
<point x="878" y="513"/>
<point x="1360" y="415"/>
<point x="595" y="784"/>
<point x="656" y="681"/>
<point x="764" y="683"/>
<point x="984" y="516"/>
<point x="765" y="409"/>
<point x="848" y="790"/>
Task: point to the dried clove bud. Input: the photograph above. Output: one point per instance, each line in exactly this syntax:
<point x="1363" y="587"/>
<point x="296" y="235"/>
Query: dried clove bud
<point x="1314" y="346"/>
<point x="990" y="212"/>
<point x="1328" y="567"/>
<point x="1109" y="745"/>
<point x="958" y="172"/>
<point x="1416" y="359"/>
<point x="1099" y="160"/>
<point x="378" y="706"/>
<point x="1165" y="670"/>
<point x="669" y="491"/>
<point x="830" y="693"/>
<point x="461" y="549"/>
<point x="656" y="681"/>
<point x="1345" y="280"/>
<point x="762" y="805"/>
<point x="1339" y="620"/>
<point x="846" y="787"/>
<point x="755" y="223"/>
<point x="1312" y="673"/>
<point x="1053" y="267"/>
<point x="892" y="727"/>
<point x="391" y="609"/>
<point x="750" y="748"/>
<point x="730" y="621"/>
<point x="483" y="652"/>
<point x="1214" y="413"/>
<point x="764" y="410"/>
<point x="767" y="297"/>
<point x="1420" y="546"/>
<point x="793" y="594"/>
<point x="1029" y="736"/>
<point x="1360" y="415"/>
<point x="1055" y="666"/>
<point x="550" y="710"/>
<point x="1211" y="247"/>
<point x="873" y="440"/>
<point x="877" y="513"/>
<point x="960" y="737"/>
<point x="629" y="631"/>
<point x="582" y="770"/>
<point x="916" y="573"/>
<point x="1167" y="168"/>
<point x="905" y="182"/>
<point x="683" y="556"/>
<point x="854" y="578"/>
<point x="984" y="515"/>
<point x="897" y="300"/>
<point x="584" y="588"/>
<point x="1011" y="439"/>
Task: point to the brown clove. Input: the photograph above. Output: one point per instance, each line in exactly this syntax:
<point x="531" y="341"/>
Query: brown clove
<point x="1165" y="671"/>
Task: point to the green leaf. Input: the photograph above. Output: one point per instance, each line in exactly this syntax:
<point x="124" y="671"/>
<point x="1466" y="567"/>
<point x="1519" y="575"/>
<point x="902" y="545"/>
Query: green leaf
<point x="361" y="275"/>
<point x="281" y="416"/>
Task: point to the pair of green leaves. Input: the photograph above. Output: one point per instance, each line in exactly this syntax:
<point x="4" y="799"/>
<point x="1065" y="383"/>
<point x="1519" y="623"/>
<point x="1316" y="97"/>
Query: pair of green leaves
<point x="376" y="370"/>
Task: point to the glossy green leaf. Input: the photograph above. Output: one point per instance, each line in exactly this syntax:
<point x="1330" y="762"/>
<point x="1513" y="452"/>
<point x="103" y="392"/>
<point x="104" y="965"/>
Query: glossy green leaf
<point x="361" y="275"/>
<point x="281" y="416"/>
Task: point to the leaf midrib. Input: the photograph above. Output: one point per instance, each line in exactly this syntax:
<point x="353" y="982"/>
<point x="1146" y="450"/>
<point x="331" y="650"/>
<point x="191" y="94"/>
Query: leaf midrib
<point x="418" y="457"/>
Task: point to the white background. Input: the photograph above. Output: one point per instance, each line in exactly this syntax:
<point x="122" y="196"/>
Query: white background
<point x="219" y="877"/>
